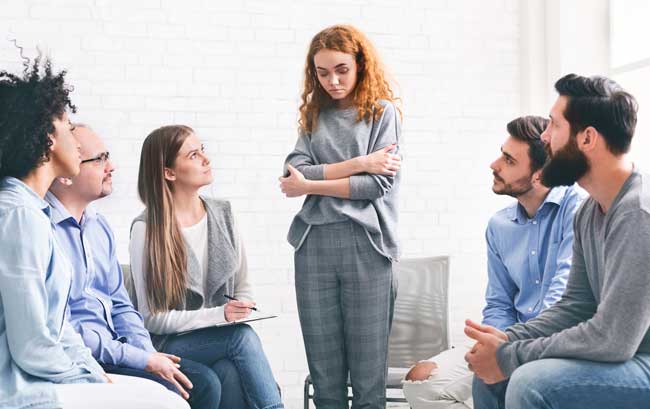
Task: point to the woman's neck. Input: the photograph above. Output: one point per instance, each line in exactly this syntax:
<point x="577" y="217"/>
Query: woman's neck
<point x="345" y="103"/>
<point x="39" y="180"/>
<point x="188" y="208"/>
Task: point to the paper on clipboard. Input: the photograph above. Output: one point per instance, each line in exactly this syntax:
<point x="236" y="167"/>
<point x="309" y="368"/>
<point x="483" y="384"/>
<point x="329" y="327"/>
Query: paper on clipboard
<point x="255" y="316"/>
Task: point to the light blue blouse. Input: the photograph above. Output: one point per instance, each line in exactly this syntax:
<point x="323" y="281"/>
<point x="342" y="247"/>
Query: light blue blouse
<point x="38" y="346"/>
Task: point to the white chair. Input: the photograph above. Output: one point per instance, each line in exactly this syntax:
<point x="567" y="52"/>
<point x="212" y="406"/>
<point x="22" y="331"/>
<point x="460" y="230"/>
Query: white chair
<point x="420" y="327"/>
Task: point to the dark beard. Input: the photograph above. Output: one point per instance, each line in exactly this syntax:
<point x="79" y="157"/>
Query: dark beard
<point x="566" y="166"/>
<point x="515" y="189"/>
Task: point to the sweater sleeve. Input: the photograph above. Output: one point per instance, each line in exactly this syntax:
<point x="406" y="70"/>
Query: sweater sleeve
<point x="578" y="327"/>
<point x="243" y="286"/>
<point x="303" y="159"/>
<point x="171" y="321"/>
<point x="371" y="187"/>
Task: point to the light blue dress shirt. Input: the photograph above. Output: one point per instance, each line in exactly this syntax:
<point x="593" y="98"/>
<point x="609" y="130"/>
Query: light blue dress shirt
<point x="38" y="347"/>
<point x="529" y="258"/>
<point x="100" y="308"/>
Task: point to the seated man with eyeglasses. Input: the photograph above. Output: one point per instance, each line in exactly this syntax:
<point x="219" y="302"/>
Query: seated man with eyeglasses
<point x="99" y="305"/>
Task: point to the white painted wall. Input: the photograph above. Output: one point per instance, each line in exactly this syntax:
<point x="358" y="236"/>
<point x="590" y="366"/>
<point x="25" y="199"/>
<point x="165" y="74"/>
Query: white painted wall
<point x="232" y="70"/>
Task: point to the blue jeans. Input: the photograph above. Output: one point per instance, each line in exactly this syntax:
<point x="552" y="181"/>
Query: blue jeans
<point x="570" y="384"/>
<point x="205" y="393"/>
<point x="243" y="377"/>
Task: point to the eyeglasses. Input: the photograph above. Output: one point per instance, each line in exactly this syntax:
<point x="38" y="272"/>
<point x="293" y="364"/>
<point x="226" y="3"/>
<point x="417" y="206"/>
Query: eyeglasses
<point x="99" y="159"/>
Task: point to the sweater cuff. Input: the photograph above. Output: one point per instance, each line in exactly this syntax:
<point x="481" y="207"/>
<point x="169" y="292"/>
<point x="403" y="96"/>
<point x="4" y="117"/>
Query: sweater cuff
<point x="507" y="359"/>
<point x="362" y="187"/>
<point x="220" y="315"/>
<point x="313" y="172"/>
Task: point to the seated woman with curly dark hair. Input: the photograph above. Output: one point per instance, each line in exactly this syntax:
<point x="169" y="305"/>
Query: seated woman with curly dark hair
<point x="40" y="353"/>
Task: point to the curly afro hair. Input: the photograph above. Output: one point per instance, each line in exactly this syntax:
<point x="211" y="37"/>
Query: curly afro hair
<point x="29" y="104"/>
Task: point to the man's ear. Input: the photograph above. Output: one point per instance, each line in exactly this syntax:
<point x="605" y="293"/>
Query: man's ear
<point x="536" y="178"/>
<point x="170" y="174"/>
<point x="587" y="140"/>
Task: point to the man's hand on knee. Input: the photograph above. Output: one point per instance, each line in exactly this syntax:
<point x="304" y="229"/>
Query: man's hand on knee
<point x="421" y="371"/>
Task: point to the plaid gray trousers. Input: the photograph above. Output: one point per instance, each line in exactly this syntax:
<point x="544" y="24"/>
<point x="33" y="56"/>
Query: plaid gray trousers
<point x="345" y="298"/>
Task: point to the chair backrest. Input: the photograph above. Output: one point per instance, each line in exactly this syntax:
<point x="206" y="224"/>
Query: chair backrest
<point x="421" y="318"/>
<point x="128" y="283"/>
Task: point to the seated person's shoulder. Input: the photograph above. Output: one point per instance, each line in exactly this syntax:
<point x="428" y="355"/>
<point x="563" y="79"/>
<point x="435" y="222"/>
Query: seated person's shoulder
<point x="636" y="199"/>
<point x="27" y="219"/>
<point x="503" y="216"/>
<point x="138" y="228"/>
<point x="575" y="193"/>
<point x="644" y="192"/>
<point x="574" y="200"/>
<point x="218" y="205"/>
<point x="103" y="222"/>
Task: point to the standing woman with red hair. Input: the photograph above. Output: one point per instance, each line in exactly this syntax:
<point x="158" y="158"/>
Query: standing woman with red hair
<point x="346" y="162"/>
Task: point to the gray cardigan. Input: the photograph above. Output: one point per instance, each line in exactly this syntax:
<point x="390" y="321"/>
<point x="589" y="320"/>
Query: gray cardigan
<point x="223" y="261"/>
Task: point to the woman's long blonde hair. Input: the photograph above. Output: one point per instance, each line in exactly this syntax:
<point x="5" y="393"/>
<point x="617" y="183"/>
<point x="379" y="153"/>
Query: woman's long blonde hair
<point x="165" y="257"/>
<point x="372" y="84"/>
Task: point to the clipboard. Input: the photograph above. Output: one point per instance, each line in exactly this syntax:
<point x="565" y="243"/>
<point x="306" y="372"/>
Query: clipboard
<point x="255" y="316"/>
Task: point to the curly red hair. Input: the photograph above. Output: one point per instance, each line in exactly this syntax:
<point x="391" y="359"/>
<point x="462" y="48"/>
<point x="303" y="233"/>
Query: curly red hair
<point x="371" y="86"/>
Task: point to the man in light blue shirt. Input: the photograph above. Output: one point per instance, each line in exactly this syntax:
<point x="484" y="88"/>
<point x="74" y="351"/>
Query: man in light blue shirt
<point x="529" y="249"/>
<point x="529" y="257"/>
<point x="100" y="308"/>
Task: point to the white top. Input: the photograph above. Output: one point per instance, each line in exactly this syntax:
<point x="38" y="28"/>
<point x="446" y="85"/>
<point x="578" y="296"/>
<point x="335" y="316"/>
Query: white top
<point x="195" y="238"/>
<point x="175" y="321"/>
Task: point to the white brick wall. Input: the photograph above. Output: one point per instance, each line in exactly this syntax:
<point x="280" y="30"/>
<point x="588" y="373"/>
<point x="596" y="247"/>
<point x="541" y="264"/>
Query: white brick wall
<point x="232" y="70"/>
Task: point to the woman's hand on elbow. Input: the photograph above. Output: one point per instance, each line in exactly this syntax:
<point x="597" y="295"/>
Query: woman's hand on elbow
<point x="295" y="184"/>
<point x="382" y="162"/>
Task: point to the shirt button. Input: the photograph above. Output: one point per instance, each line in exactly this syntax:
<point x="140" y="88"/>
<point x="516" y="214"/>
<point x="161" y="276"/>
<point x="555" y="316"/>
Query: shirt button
<point x="533" y="252"/>
<point x="536" y="281"/>
<point x="530" y="309"/>
<point x="534" y="221"/>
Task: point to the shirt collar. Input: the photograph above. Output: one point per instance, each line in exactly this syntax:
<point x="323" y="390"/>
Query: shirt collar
<point x="27" y="193"/>
<point x="555" y="196"/>
<point x="60" y="213"/>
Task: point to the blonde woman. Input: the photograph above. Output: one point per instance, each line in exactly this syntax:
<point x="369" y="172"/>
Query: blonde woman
<point x="186" y="257"/>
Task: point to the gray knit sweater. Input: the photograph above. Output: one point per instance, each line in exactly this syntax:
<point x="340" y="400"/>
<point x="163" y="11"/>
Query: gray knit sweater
<point x="604" y="314"/>
<point x="337" y="137"/>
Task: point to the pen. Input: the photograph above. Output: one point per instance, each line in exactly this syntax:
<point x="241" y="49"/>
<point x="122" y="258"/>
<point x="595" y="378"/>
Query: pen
<point x="230" y="297"/>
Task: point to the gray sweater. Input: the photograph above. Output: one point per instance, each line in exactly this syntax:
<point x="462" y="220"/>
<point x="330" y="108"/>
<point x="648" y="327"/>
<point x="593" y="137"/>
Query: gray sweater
<point x="604" y="314"/>
<point x="337" y="137"/>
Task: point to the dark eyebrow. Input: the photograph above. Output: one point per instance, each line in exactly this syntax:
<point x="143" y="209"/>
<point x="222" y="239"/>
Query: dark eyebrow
<point x="193" y="151"/>
<point x="507" y="155"/>
<point x="338" y="66"/>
